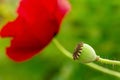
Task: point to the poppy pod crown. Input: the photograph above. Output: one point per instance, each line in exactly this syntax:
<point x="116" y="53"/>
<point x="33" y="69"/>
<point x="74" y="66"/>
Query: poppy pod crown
<point x="84" y="53"/>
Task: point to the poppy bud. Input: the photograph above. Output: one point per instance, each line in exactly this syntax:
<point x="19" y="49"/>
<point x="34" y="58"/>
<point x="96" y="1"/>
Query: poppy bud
<point x="84" y="53"/>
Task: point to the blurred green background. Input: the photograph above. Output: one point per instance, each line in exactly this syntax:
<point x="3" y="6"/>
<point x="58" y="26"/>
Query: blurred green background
<point x="96" y="22"/>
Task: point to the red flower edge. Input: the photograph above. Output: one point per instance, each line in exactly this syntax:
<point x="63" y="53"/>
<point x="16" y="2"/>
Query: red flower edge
<point x="37" y="23"/>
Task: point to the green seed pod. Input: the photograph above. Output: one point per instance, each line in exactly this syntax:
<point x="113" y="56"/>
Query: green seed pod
<point x="84" y="53"/>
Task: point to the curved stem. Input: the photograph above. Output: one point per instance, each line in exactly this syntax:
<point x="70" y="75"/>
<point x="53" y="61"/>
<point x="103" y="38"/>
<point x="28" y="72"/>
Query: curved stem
<point x="92" y="65"/>
<point x="104" y="70"/>
<point x="107" y="61"/>
<point x="62" y="49"/>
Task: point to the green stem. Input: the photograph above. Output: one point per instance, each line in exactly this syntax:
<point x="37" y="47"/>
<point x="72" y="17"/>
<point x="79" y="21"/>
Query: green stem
<point x="104" y="70"/>
<point x="92" y="65"/>
<point x="62" y="49"/>
<point x="107" y="61"/>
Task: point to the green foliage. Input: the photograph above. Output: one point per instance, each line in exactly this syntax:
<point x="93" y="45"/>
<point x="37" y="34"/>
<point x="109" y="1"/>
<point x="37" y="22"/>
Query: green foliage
<point x="95" y="22"/>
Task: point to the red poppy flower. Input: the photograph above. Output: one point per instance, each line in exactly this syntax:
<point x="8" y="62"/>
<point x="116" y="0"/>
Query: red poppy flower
<point x="37" y="23"/>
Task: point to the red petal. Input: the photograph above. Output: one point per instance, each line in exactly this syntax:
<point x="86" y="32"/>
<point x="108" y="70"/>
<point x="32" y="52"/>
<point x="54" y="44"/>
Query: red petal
<point x="12" y="28"/>
<point x="37" y="23"/>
